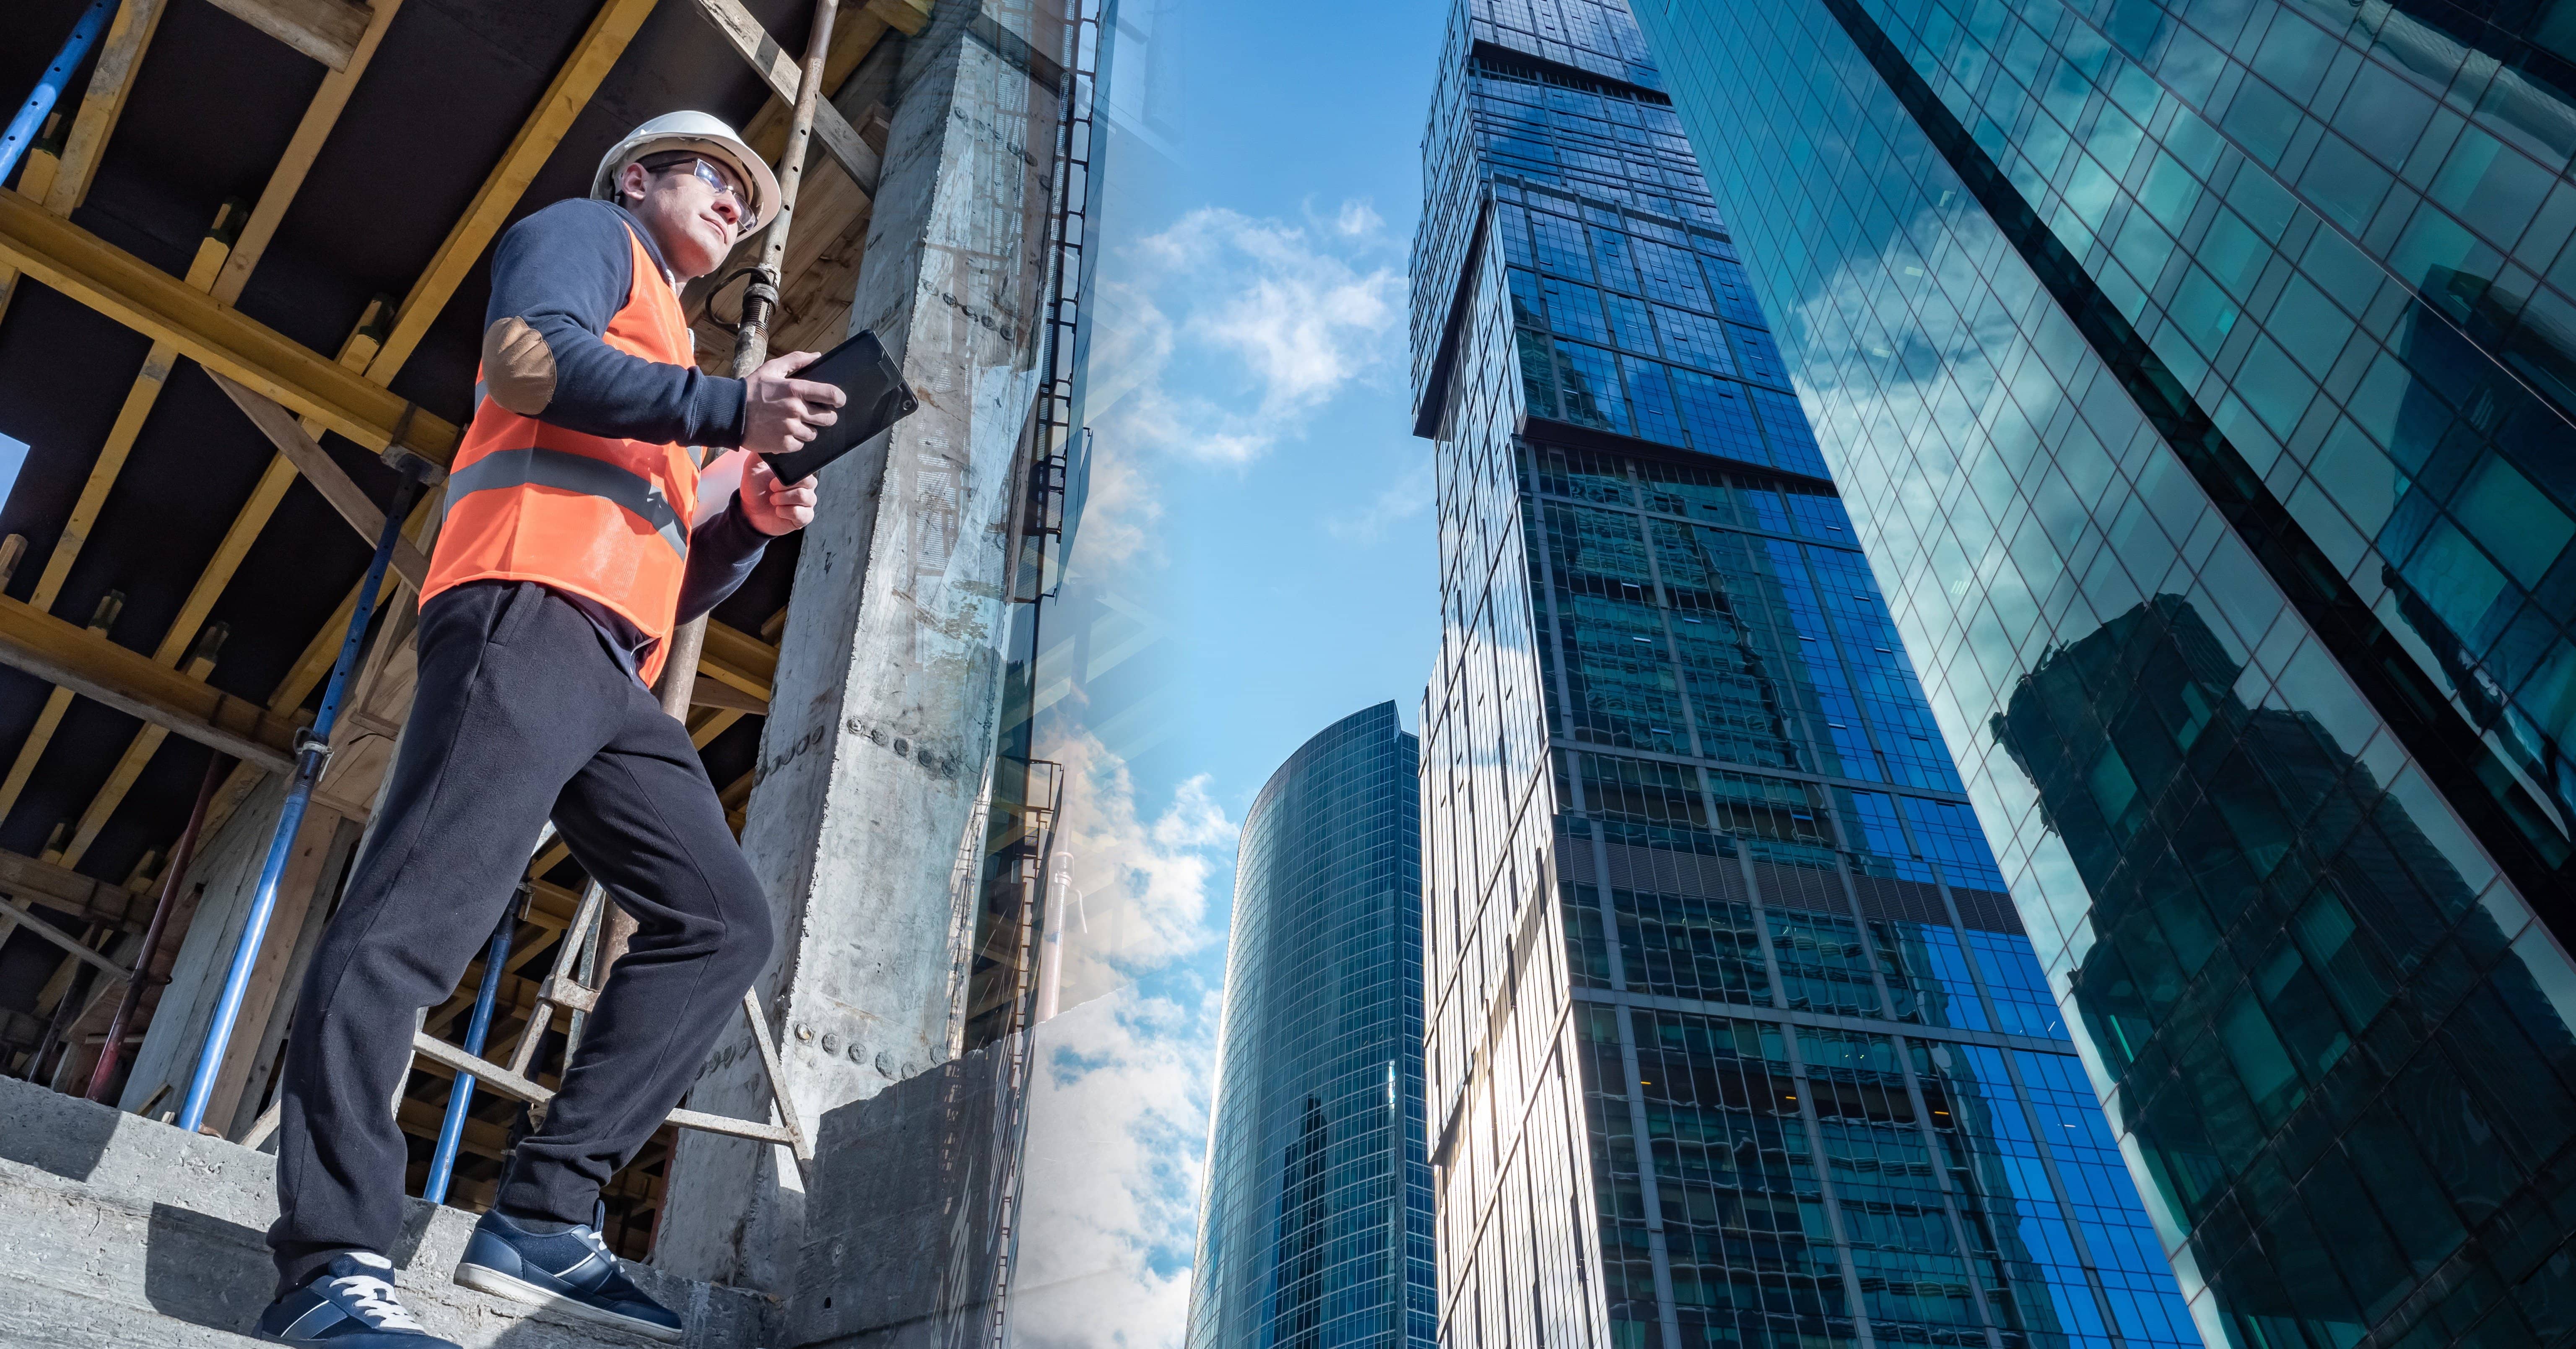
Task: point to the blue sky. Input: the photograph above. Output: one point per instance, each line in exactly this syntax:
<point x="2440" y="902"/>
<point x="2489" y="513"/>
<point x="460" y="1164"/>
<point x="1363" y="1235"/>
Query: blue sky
<point x="1256" y="555"/>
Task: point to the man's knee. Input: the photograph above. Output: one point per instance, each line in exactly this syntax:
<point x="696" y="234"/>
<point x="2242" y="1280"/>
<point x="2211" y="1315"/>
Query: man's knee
<point x="747" y="944"/>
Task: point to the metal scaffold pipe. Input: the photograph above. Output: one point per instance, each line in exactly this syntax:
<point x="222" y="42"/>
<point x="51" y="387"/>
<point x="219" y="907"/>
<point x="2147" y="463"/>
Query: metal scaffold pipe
<point x="750" y="348"/>
<point x="460" y="1097"/>
<point x="181" y="858"/>
<point x="314" y="754"/>
<point x="49" y="87"/>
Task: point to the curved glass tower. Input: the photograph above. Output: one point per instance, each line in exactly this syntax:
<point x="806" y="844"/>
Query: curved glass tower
<point x="1303" y="1242"/>
<point x="2205" y="375"/>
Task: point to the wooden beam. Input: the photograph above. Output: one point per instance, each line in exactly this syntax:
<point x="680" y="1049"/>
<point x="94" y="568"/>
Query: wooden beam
<point x="86" y="897"/>
<point x="78" y="949"/>
<point x="494" y="1077"/>
<point x="741" y="660"/>
<point x="321" y="114"/>
<point x="716" y="721"/>
<point x="49" y="718"/>
<point x="137" y="685"/>
<point x="717" y="693"/>
<point x="326" y="30"/>
<point x="782" y="73"/>
<point x="909" y="17"/>
<point x="161" y="306"/>
<point x="325" y="474"/>
<point x="120" y="779"/>
<point x="535" y="144"/>
<point x="111" y="81"/>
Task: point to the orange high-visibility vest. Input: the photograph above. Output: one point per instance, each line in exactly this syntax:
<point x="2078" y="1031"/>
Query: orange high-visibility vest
<point x="596" y="516"/>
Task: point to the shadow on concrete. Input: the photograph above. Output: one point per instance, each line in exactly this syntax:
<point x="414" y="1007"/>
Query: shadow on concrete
<point x="206" y="1271"/>
<point x="53" y="1132"/>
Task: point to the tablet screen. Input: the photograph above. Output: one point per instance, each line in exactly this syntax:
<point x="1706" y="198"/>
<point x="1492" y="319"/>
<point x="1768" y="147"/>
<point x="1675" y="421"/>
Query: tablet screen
<point x="878" y="398"/>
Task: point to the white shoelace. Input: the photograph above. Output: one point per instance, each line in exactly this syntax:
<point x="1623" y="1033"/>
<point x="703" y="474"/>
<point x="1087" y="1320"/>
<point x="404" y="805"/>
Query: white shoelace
<point x="374" y="1300"/>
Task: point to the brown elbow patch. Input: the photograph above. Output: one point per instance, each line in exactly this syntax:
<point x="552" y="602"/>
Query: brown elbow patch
<point x="518" y="367"/>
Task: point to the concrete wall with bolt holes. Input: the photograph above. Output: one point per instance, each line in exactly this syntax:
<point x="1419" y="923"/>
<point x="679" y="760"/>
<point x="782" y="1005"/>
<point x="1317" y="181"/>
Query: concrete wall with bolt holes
<point x="882" y="717"/>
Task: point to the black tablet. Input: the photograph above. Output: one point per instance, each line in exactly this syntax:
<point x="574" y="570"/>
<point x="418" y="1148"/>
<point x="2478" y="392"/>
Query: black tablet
<point x="878" y="398"/>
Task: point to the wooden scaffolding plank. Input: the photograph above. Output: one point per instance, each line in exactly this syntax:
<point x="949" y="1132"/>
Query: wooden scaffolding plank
<point x="159" y="305"/>
<point x="129" y="681"/>
<point x="326" y="30"/>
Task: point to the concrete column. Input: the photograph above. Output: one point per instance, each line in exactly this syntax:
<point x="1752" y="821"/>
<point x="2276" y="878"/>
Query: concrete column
<point x="883" y="712"/>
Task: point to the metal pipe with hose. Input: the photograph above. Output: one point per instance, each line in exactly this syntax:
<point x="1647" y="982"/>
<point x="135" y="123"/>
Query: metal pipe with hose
<point x="49" y="87"/>
<point x="460" y="1097"/>
<point x="750" y="349"/>
<point x="181" y="857"/>
<point x="313" y="754"/>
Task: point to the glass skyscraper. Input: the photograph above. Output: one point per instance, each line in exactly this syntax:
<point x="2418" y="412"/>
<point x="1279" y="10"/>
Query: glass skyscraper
<point x="1306" y="1237"/>
<point x="1734" y="1036"/>
<point x="2203" y="374"/>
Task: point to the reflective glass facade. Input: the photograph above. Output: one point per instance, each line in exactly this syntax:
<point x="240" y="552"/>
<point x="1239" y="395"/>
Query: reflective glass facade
<point x="1734" y="1034"/>
<point x="1304" y="1242"/>
<point x="2201" y="373"/>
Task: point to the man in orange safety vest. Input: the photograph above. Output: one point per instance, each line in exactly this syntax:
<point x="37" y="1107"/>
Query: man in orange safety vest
<point x="577" y="537"/>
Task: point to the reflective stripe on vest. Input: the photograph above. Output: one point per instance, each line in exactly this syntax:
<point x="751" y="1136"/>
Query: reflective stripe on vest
<point x="572" y="473"/>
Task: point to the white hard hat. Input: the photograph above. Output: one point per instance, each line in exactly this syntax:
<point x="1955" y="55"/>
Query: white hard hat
<point x="693" y="131"/>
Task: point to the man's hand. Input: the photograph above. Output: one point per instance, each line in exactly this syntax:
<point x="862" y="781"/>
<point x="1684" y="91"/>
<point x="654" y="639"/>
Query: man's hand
<point x="780" y="413"/>
<point x="775" y="507"/>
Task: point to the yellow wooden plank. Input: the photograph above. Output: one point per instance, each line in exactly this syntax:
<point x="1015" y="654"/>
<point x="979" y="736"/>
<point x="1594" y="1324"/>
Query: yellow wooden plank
<point x="326" y="30"/>
<point x="111" y="80"/>
<point x="49" y="719"/>
<point x="159" y="305"/>
<point x="90" y="665"/>
<point x="321" y="114"/>
<point x="562" y="103"/>
<point x="120" y="779"/>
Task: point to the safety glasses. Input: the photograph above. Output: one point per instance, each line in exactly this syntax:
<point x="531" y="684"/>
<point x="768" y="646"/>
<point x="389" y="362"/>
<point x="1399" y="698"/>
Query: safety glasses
<point x="710" y="175"/>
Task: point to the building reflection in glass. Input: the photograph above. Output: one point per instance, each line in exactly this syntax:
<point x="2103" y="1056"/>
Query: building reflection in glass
<point x="2335" y="1066"/>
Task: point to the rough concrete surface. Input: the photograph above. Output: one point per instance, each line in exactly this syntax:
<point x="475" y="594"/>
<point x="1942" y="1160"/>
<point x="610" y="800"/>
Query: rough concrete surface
<point x="118" y="1231"/>
<point x="901" y="1242"/>
<point x="889" y="672"/>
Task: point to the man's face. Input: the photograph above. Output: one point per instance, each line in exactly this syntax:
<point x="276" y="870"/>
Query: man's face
<point x="693" y="222"/>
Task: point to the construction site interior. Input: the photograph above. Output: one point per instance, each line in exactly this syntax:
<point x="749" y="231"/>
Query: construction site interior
<point x="243" y="271"/>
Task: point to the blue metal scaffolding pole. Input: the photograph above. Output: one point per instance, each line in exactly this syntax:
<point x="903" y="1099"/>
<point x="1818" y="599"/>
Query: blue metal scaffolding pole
<point x="313" y="754"/>
<point x="451" y="1130"/>
<point x="49" y="87"/>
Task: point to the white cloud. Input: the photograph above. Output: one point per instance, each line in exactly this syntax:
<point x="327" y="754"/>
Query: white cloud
<point x="1118" y="1118"/>
<point x="1118" y="1111"/>
<point x="1243" y="327"/>
<point x="1139" y="888"/>
<point x="1358" y="219"/>
<point x="1407" y="496"/>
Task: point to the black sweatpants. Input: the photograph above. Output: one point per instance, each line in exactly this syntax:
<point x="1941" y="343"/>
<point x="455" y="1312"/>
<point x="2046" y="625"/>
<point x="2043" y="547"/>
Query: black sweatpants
<point x="521" y="713"/>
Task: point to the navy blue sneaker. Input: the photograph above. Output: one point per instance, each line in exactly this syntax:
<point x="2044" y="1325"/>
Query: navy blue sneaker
<point x="570" y="1271"/>
<point x="348" y="1304"/>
